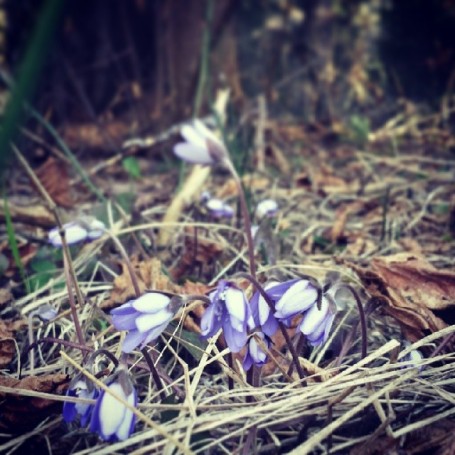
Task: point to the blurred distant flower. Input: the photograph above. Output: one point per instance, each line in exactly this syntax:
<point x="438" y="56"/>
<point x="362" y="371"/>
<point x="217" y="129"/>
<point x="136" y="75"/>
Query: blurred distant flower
<point x="79" y="387"/>
<point x="202" y="146"/>
<point x="45" y="312"/>
<point x="316" y="323"/>
<point x="266" y="208"/>
<point x="297" y="298"/>
<point x="229" y="310"/>
<point x="254" y="354"/>
<point x="414" y="357"/>
<point x="111" y="419"/>
<point x="219" y="209"/>
<point x="145" y="318"/>
<point x="78" y="231"/>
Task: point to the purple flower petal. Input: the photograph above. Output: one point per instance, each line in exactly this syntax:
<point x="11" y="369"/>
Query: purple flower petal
<point x="151" y="302"/>
<point x="133" y="339"/>
<point x="192" y="153"/>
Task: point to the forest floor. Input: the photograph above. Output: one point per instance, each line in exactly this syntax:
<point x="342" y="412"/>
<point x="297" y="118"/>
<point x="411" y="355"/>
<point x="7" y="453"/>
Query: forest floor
<point x="372" y="209"/>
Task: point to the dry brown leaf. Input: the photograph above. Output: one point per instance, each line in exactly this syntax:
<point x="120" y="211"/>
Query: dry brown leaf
<point x="53" y="175"/>
<point x="8" y="330"/>
<point x="417" y="280"/>
<point x="149" y="276"/>
<point x="406" y="286"/>
<point x="20" y="413"/>
<point x="27" y="252"/>
<point x="341" y="218"/>
<point x="90" y="135"/>
<point x="198" y="251"/>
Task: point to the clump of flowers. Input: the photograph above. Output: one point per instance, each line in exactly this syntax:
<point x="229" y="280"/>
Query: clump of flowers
<point x="108" y="417"/>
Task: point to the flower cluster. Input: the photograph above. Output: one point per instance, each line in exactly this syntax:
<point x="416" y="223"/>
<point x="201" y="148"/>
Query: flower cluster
<point x="229" y="310"/>
<point x="84" y="229"/>
<point x="108" y="417"/>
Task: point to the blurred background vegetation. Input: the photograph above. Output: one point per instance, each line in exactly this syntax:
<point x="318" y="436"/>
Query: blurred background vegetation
<point x="116" y="69"/>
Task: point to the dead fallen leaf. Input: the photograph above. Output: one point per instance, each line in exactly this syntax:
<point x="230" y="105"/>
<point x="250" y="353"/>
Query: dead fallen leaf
<point x="409" y="288"/>
<point x="19" y="413"/>
<point x="27" y="252"/>
<point x="341" y="218"/>
<point x="8" y="330"/>
<point x="198" y="251"/>
<point x="53" y="175"/>
<point x="418" y="280"/>
<point x="149" y="276"/>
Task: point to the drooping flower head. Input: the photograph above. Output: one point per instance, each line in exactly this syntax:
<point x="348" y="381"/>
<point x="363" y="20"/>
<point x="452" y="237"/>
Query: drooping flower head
<point x="317" y="322"/>
<point x="145" y="318"/>
<point x="84" y="229"/>
<point x="229" y="310"/>
<point x="255" y="353"/>
<point x="297" y="298"/>
<point x="79" y="387"/>
<point x="201" y="145"/>
<point x="111" y="419"/>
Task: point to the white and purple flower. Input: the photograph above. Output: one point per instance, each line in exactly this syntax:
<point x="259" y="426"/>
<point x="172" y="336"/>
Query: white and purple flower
<point x="82" y="230"/>
<point x="229" y="310"/>
<point x="219" y="209"/>
<point x="81" y="388"/>
<point x="111" y="419"/>
<point x="266" y="208"/>
<point x="255" y="354"/>
<point x="145" y="318"/>
<point x="317" y="322"/>
<point x="297" y="298"/>
<point x="201" y="145"/>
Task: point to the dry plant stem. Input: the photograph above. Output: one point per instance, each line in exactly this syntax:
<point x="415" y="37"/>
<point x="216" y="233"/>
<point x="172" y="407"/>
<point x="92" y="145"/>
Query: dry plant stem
<point x="154" y="371"/>
<point x="283" y="330"/>
<point x="231" y="366"/>
<point x="73" y="308"/>
<point x="363" y="321"/>
<point x="137" y="291"/>
<point x="246" y="217"/>
<point x="298" y="348"/>
<point x="54" y="209"/>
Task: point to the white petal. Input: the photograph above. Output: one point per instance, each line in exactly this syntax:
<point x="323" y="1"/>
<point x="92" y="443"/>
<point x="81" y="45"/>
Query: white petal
<point x="215" y="204"/>
<point x="193" y="153"/>
<point x="235" y="303"/>
<point x="297" y="298"/>
<point x="124" y="429"/>
<point x="111" y="412"/>
<point x="147" y="322"/>
<point x="151" y="302"/>
<point x="191" y="134"/>
<point x="314" y="317"/>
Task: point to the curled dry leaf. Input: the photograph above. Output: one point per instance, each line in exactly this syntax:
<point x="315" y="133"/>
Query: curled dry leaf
<point x="19" y="413"/>
<point x="53" y="175"/>
<point x="410" y="288"/>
